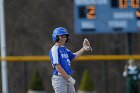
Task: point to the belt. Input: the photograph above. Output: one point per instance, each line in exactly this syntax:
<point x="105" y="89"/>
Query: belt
<point x="57" y="75"/>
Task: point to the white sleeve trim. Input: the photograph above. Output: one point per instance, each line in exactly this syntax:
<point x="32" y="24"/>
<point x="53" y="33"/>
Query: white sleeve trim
<point x="139" y="76"/>
<point x="55" y="54"/>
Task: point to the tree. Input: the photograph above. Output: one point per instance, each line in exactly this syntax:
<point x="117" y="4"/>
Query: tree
<point x="86" y="83"/>
<point x="36" y="82"/>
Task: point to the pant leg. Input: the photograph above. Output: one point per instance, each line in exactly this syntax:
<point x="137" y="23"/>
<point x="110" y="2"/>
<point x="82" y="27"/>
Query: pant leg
<point x="136" y="88"/>
<point x="59" y="84"/>
<point x="129" y="88"/>
<point x="71" y="89"/>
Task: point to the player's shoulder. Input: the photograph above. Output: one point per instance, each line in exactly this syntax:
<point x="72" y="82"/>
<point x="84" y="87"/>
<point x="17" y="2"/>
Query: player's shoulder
<point x="67" y="49"/>
<point x="54" y="48"/>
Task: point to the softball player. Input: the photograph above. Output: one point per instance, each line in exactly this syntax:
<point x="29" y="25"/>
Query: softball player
<point x="61" y="57"/>
<point x="132" y="75"/>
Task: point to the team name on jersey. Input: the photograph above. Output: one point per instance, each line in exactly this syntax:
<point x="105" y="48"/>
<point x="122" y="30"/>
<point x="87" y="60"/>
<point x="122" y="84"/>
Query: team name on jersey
<point x="64" y="55"/>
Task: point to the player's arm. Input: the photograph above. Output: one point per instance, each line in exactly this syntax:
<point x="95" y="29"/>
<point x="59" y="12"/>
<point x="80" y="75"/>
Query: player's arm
<point x="125" y="70"/>
<point x="138" y="73"/>
<point x="61" y="71"/>
<point x="86" y="47"/>
<point x="65" y="75"/>
<point x="80" y="52"/>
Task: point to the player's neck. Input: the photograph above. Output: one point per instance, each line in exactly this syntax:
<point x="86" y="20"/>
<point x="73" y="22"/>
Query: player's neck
<point x="58" y="44"/>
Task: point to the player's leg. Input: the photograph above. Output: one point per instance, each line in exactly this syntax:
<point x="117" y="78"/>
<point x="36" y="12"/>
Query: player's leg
<point x="71" y="89"/>
<point x="136" y="88"/>
<point x="129" y="88"/>
<point x="59" y="84"/>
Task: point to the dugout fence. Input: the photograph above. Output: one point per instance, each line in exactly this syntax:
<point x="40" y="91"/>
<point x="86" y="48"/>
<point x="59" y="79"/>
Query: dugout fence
<point x="81" y="58"/>
<point x="22" y="65"/>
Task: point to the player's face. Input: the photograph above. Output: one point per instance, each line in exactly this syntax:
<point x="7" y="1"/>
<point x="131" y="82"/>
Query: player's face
<point x="132" y="63"/>
<point x="62" y="39"/>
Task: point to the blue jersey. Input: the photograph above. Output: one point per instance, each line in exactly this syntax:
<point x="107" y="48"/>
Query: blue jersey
<point x="62" y="56"/>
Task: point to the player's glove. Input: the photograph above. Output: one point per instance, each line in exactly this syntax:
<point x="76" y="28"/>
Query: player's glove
<point x="86" y="45"/>
<point x="71" y="81"/>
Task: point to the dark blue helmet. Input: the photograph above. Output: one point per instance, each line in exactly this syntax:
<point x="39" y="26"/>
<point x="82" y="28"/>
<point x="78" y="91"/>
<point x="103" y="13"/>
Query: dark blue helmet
<point x="58" y="32"/>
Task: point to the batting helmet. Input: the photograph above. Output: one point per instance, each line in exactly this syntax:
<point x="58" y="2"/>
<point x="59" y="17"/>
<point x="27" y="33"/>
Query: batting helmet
<point x="58" y="32"/>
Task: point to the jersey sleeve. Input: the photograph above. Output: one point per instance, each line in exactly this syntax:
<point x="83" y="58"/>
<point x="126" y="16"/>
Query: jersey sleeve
<point x="71" y="55"/>
<point x="54" y="56"/>
<point x="138" y="73"/>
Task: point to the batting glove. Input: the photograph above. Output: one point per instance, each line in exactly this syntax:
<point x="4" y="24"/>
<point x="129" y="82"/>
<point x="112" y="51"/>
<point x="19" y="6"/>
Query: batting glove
<point x="71" y="81"/>
<point x="86" y="45"/>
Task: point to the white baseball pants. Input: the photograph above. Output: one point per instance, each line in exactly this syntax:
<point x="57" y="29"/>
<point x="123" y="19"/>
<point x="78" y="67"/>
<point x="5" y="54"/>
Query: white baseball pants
<point x="61" y="85"/>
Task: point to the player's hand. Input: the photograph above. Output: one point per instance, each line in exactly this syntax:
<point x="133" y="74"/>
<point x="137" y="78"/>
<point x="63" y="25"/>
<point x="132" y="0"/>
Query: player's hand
<point x="71" y="81"/>
<point x="86" y="45"/>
